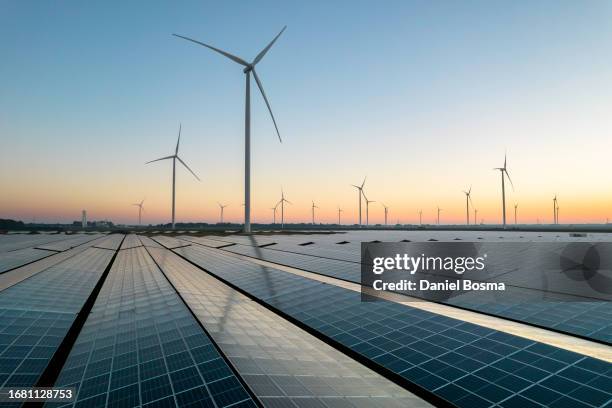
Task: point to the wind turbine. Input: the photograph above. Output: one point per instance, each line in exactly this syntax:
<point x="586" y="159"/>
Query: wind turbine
<point x="140" y="210"/>
<point x="439" y="209"/>
<point x="174" y="158"/>
<point x="339" y="211"/>
<point x="386" y="212"/>
<point x="313" y="212"/>
<point x="274" y="211"/>
<point x="468" y="200"/>
<point x="282" y="202"/>
<point x="420" y="217"/>
<point x="248" y="69"/>
<point x="367" y="207"/>
<point x="504" y="170"/>
<point x="359" y="193"/>
<point x="221" y="207"/>
<point x="475" y="215"/>
<point x="515" y="208"/>
<point x="555" y="209"/>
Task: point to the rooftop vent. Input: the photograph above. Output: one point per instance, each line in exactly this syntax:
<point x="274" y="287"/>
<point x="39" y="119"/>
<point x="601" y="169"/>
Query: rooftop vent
<point x="306" y="243"/>
<point x="342" y="242"/>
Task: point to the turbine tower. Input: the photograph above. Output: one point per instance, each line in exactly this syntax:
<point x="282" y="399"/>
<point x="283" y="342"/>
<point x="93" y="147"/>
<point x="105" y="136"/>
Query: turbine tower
<point x="475" y="215"/>
<point x="439" y="209"/>
<point x="555" y="210"/>
<point x="248" y="69"/>
<point x="140" y="210"/>
<point x="359" y="193"/>
<point x="468" y="200"/>
<point x="339" y="211"/>
<point x="282" y="202"/>
<point x="174" y="158"/>
<point x="504" y="173"/>
<point x="367" y="207"/>
<point x="386" y="212"/>
<point x="420" y="217"/>
<point x="221" y="207"/>
<point x="313" y="212"/>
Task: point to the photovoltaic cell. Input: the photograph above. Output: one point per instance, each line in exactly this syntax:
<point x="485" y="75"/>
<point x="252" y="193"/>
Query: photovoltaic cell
<point x="466" y="364"/>
<point x="14" y="259"/>
<point x="141" y="346"/>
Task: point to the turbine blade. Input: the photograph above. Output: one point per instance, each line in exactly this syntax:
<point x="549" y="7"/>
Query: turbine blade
<point x="186" y="166"/>
<point x="267" y="103"/>
<point x="163" y="158"/>
<point x="364" y="180"/>
<point x="178" y="140"/>
<point x="509" y="179"/>
<point x="226" y="54"/>
<point x="265" y="50"/>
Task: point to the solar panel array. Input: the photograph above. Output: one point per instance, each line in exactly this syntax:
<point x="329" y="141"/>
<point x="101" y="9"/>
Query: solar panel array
<point x="224" y="331"/>
<point x="468" y="365"/>
<point x="141" y="347"/>
<point x="283" y="365"/>
<point x="584" y="318"/>
<point x="35" y="315"/>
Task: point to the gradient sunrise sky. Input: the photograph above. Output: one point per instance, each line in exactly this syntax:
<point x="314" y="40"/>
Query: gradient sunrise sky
<point x="422" y="97"/>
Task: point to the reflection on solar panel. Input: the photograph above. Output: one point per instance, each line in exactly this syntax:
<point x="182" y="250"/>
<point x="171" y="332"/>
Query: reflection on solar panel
<point x="589" y="319"/>
<point x="466" y="364"/>
<point x="283" y="365"/>
<point x="15" y="242"/>
<point x="36" y="314"/>
<point x="140" y="346"/>
<point x="131" y="241"/>
<point x="14" y="259"/>
<point x="68" y="243"/>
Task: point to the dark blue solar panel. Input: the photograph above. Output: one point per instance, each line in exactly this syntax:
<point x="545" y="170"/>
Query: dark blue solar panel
<point x="141" y="346"/>
<point x="36" y="314"/>
<point x="466" y="364"/>
<point x="588" y="319"/>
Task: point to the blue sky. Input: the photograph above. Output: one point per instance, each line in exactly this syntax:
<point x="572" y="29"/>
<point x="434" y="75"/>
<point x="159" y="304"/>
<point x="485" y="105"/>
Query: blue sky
<point x="423" y="97"/>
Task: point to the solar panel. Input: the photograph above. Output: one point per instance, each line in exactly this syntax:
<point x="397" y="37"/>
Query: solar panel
<point x="466" y="364"/>
<point x="588" y="319"/>
<point x="281" y="363"/>
<point x="36" y="314"/>
<point x="141" y="346"/>
<point x="17" y="258"/>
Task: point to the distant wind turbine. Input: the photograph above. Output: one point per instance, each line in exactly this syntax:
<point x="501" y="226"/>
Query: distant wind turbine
<point x="555" y="208"/>
<point x="313" y="212"/>
<point x="439" y="209"/>
<point x="386" y="212"/>
<point x="367" y="207"/>
<point x="339" y="212"/>
<point x="359" y="193"/>
<point x="468" y="200"/>
<point x="274" y="212"/>
<point x="140" y="210"/>
<point x="504" y="173"/>
<point x="475" y="216"/>
<point x="282" y="202"/>
<point x="515" y="209"/>
<point x="222" y="207"/>
<point x="174" y="158"/>
<point x="248" y="69"/>
<point x="420" y="217"/>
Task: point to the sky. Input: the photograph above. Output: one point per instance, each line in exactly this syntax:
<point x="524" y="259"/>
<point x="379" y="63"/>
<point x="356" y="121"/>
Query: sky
<point x="424" y="98"/>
